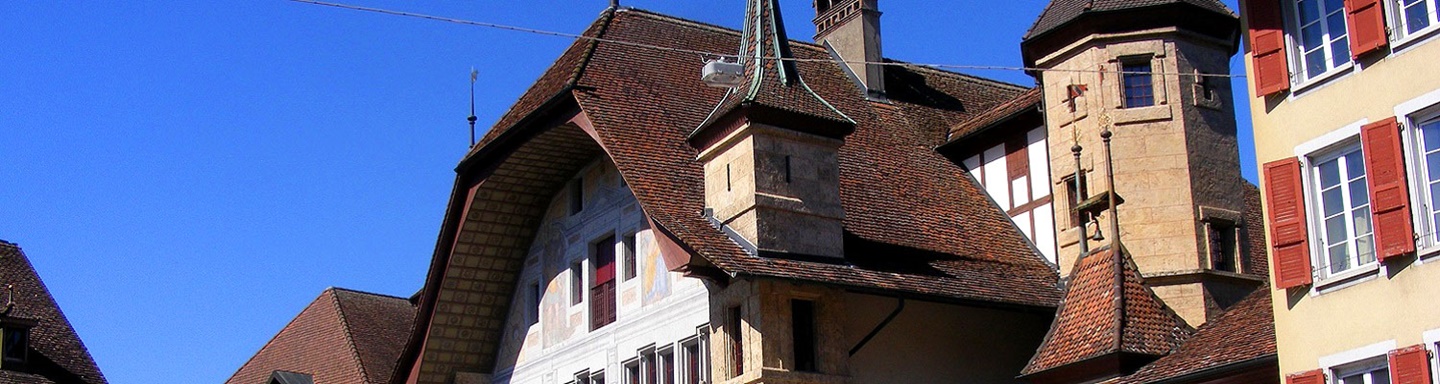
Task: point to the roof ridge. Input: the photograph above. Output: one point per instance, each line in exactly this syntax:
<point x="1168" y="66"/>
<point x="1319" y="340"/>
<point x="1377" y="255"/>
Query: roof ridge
<point x="351" y="290"/>
<point x="960" y="75"/>
<point x="713" y="27"/>
<point x="349" y="337"/>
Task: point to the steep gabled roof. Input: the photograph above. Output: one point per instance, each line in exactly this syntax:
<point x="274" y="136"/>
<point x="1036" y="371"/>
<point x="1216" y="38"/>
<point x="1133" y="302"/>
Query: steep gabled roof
<point x="343" y="336"/>
<point x="1061" y="12"/>
<point x="1244" y="334"/>
<point x="897" y="192"/>
<point x="56" y="353"/>
<point x="915" y="223"/>
<point x="1107" y="312"/>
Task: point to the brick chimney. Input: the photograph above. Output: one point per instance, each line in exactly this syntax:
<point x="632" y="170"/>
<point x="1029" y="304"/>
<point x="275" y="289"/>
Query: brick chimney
<point x="850" y="29"/>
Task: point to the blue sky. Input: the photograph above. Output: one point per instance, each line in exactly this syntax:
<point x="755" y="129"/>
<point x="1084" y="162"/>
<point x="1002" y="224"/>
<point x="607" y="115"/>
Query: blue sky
<point x="187" y="176"/>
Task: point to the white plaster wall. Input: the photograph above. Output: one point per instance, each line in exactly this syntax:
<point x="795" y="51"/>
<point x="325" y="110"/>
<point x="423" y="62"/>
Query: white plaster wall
<point x="655" y="308"/>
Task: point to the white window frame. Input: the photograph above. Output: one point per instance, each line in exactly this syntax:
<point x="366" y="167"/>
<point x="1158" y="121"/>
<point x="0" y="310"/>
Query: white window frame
<point x="1395" y="21"/>
<point x="1432" y="344"/>
<point x="1308" y="152"/>
<point x="1410" y="113"/>
<point x="1369" y="356"/>
<point x="1299" y="78"/>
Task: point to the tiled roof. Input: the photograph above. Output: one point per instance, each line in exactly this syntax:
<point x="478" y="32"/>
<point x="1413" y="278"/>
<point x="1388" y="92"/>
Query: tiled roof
<point x="904" y="204"/>
<point x="1029" y="100"/>
<point x="1060" y="12"/>
<point x="1101" y="316"/>
<point x="56" y="352"/>
<point x="1259" y="262"/>
<point x="344" y="336"/>
<point x="1244" y="334"/>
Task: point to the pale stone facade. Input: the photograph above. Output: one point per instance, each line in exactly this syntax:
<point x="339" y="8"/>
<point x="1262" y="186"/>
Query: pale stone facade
<point x="1175" y="161"/>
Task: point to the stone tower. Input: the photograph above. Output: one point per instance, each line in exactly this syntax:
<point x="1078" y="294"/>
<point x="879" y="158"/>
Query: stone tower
<point x="1137" y="67"/>
<point x="850" y="29"/>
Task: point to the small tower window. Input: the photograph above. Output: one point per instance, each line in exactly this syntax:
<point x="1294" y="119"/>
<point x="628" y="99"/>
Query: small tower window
<point x="787" y="168"/>
<point x="1139" y="87"/>
<point x="821" y="6"/>
<point x="1224" y="244"/>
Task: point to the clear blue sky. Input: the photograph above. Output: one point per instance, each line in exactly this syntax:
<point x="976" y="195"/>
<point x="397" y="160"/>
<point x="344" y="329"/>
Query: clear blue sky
<point x="187" y="176"/>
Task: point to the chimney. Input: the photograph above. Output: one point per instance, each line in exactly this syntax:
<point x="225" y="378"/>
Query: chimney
<point x="850" y="29"/>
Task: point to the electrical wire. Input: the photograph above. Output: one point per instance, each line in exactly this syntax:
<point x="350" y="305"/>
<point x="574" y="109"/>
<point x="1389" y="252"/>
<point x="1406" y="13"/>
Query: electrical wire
<point x="733" y="56"/>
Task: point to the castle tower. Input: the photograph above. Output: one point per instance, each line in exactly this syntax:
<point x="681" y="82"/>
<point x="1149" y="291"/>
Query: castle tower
<point x="1138" y="67"/>
<point x="850" y="29"/>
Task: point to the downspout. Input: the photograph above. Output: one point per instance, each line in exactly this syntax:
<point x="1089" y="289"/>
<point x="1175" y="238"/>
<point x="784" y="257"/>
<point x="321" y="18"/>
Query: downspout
<point x="899" y="306"/>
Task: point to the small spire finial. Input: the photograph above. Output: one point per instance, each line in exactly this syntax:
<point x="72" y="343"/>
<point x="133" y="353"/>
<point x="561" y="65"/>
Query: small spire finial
<point x="474" y="74"/>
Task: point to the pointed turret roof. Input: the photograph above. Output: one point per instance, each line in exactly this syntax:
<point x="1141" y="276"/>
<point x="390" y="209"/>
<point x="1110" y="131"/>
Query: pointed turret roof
<point x="1108" y="324"/>
<point x="1060" y="12"/>
<point x="772" y="86"/>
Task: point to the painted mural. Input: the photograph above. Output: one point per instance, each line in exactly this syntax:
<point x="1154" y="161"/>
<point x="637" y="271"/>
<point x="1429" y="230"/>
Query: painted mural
<point x="553" y="329"/>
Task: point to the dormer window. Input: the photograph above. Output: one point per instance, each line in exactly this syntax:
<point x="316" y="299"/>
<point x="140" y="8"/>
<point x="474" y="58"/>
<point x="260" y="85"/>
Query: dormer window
<point x="15" y="341"/>
<point x="16" y="344"/>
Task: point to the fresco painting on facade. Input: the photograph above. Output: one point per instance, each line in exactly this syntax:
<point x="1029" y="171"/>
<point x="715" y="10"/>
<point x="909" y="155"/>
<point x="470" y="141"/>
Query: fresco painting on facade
<point x="655" y="274"/>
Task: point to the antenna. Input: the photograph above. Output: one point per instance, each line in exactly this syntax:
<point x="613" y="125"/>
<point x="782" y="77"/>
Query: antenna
<point x="473" y="75"/>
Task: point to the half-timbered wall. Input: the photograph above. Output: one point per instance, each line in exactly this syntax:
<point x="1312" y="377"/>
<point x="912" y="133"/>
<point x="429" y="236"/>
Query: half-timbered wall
<point x="1016" y="174"/>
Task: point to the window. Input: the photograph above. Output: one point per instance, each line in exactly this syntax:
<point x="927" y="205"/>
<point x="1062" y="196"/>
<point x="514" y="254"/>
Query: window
<point x="532" y="303"/>
<point x="577" y="283"/>
<point x="1374" y="371"/>
<point x="602" y="289"/>
<point x="628" y="255"/>
<point x="666" y="360"/>
<point x="1139" y="86"/>
<point x="1074" y="195"/>
<point x="1411" y="17"/>
<point x="577" y="195"/>
<point x="695" y="360"/>
<point x="1343" y="217"/>
<point x="1427" y="137"/>
<point x="1319" y="31"/>
<point x="632" y="372"/>
<point x="647" y="367"/>
<point x="1223" y="238"/>
<point x="16" y="343"/>
<point x="737" y="347"/>
<point x="802" y="330"/>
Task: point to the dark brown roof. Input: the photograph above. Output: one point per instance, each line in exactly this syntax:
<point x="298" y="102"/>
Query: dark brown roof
<point x="1244" y="334"/>
<point x="343" y="336"/>
<point x="914" y="220"/>
<point x="1259" y="262"/>
<point x="1060" y="12"/>
<point x="1027" y="101"/>
<point x="1100" y="316"/>
<point x="56" y="353"/>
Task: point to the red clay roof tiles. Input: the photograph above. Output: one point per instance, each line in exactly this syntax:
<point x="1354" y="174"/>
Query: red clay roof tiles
<point x="62" y="356"/>
<point x="1102" y="315"/>
<point x="344" y="336"/>
<point x="896" y="191"/>
<point x="1243" y="334"/>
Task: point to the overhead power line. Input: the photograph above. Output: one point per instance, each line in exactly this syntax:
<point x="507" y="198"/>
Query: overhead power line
<point x="702" y="53"/>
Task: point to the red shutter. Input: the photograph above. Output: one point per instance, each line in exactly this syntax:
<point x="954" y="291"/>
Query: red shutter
<point x="1311" y="377"/>
<point x="1389" y="196"/>
<point x="1270" y="70"/>
<point x="1366" y="19"/>
<point x="1289" y="238"/>
<point x="1410" y="365"/>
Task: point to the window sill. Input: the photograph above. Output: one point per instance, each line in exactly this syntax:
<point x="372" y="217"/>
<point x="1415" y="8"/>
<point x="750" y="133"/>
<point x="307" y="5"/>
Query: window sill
<point x="1345" y="279"/>
<point x="1142" y="114"/>
<point x="1300" y="88"/>
<point x="1410" y="40"/>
